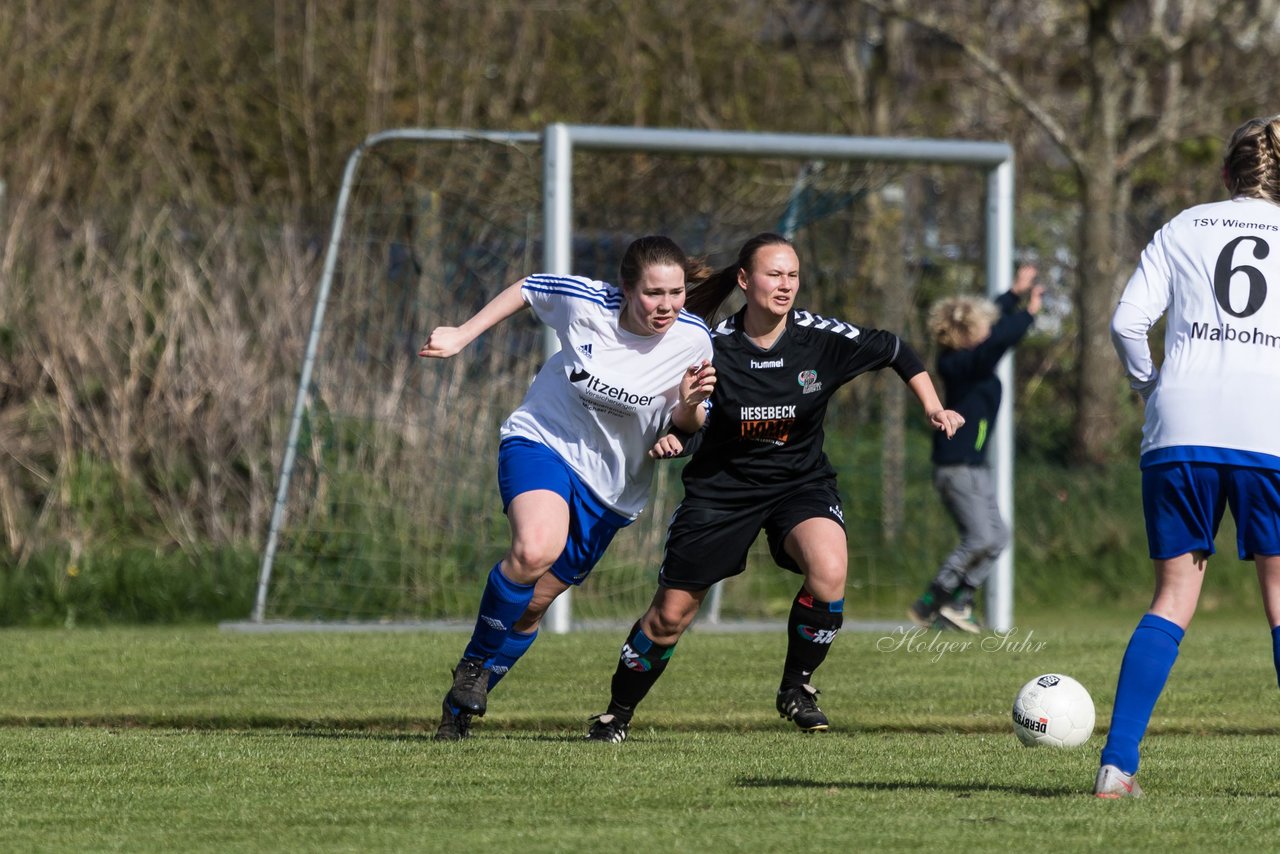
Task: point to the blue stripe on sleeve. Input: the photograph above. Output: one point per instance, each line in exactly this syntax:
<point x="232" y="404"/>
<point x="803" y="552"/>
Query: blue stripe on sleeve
<point x="573" y="286"/>
<point x="692" y="320"/>
<point x="598" y="296"/>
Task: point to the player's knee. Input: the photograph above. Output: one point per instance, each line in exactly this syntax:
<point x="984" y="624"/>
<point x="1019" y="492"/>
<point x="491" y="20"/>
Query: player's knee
<point x="665" y="624"/>
<point x="827" y="581"/>
<point x="532" y="556"/>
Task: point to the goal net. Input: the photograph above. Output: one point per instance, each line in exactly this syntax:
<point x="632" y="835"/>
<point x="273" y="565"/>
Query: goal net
<point x="389" y="508"/>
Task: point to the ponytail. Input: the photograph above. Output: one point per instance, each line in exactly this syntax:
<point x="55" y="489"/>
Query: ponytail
<point x="706" y="297"/>
<point x="1251" y="164"/>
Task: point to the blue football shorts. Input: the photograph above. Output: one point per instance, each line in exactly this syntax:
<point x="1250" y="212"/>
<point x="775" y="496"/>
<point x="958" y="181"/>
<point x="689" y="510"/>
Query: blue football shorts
<point x="525" y="465"/>
<point x="1183" y="504"/>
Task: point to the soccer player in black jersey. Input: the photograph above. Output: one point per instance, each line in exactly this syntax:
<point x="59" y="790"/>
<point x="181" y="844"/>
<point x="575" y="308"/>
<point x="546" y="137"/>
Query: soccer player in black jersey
<point x="758" y="464"/>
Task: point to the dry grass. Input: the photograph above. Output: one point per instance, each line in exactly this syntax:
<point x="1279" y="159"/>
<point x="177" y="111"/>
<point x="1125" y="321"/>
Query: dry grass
<point x="158" y="357"/>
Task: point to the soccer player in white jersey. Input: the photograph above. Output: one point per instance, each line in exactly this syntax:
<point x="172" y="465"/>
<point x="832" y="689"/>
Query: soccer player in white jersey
<point x="574" y="460"/>
<point x="1211" y="437"/>
<point x="759" y="465"/>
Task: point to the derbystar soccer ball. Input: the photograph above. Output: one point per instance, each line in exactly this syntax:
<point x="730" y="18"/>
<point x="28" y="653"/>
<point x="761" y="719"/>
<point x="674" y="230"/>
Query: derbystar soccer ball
<point x="1053" y="709"/>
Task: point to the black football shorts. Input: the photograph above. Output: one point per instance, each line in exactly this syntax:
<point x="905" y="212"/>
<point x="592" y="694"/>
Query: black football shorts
<point x="707" y="543"/>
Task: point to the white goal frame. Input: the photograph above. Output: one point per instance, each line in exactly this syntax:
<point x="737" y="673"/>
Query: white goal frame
<point x="560" y="141"/>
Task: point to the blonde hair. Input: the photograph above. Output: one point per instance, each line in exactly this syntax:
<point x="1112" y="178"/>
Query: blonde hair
<point x="1251" y="165"/>
<point x="954" y="320"/>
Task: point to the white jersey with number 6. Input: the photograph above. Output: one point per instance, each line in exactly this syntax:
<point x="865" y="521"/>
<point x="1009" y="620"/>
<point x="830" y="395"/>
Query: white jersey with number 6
<point x="1215" y="271"/>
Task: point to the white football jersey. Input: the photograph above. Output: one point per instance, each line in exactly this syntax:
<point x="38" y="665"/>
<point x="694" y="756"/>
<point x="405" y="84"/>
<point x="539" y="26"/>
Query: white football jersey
<point x="604" y="399"/>
<point x="1214" y="271"/>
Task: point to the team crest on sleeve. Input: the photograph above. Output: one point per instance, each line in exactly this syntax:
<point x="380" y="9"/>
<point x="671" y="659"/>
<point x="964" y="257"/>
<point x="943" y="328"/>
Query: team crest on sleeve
<point x="809" y="382"/>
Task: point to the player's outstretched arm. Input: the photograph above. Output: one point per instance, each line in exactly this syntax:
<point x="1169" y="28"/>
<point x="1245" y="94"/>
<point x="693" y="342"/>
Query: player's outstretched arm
<point x="946" y="420"/>
<point x="446" y="341"/>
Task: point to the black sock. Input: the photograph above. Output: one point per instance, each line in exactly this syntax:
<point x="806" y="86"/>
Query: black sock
<point x="936" y="596"/>
<point x="811" y="627"/>
<point x="639" y="666"/>
<point x="962" y="597"/>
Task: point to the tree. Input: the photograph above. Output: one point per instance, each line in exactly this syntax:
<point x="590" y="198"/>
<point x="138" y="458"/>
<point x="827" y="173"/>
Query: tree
<point x="1110" y="83"/>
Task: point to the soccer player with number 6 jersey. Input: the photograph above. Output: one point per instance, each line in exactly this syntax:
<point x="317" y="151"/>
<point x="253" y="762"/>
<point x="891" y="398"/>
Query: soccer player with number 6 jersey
<point x="758" y="464"/>
<point x="1212" y="434"/>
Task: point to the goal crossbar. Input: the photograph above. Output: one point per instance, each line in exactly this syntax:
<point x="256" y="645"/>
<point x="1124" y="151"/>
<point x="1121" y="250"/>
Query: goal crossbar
<point x="559" y="141"/>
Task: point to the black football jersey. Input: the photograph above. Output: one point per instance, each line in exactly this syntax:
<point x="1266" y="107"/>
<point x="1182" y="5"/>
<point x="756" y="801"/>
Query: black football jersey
<point x="765" y="426"/>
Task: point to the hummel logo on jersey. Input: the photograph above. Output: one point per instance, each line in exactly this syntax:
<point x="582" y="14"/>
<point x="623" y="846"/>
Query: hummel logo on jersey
<point x="494" y="622"/>
<point x="757" y="364"/>
<point x="585" y="349"/>
<point x="836" y="511"/>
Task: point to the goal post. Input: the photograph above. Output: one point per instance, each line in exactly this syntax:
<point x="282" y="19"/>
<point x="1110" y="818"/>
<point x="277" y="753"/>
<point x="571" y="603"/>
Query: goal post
<point x="427" y="135"/>
<point x="320" y="492"/>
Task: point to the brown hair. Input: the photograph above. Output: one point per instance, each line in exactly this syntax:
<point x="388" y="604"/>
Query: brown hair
<point x="952" y="321"/>
<point x="707" y="297"/>
<point x="1251" y="165"/>
<point x="655" y="250"/>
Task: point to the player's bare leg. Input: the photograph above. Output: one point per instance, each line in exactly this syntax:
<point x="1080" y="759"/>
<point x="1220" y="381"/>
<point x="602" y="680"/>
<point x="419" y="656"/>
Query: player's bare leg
<point x="1178" y="583"/>
<point x="1269" y="581"/>
<point x="539" y="521"/>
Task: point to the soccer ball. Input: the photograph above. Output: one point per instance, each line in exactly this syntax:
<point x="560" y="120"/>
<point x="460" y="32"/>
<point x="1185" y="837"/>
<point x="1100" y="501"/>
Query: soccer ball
<point x="1053" y="709"/>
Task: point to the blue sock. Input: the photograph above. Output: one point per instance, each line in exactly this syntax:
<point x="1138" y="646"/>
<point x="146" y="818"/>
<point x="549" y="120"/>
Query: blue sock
<point x="1275" y="651"/>
<point x="502" y="603"/>
<point x="516" y="645"/>
<point x="1143" y="672"/>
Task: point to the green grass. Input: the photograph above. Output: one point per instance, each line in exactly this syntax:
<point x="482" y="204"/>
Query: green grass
<point x="190" y="739"/>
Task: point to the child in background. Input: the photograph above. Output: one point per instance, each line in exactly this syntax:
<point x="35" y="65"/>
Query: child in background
<point x="973" y="335"/>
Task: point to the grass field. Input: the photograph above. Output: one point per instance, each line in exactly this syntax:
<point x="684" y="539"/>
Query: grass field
<point x="193" y="739"/>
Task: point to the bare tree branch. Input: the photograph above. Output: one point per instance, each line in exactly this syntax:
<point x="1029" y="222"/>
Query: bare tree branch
<point x="1198" y="27"/>
<point x="786" y="13"/>
<point x="992" y="67"/>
